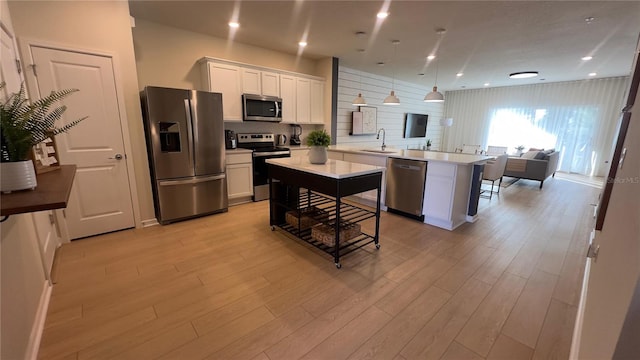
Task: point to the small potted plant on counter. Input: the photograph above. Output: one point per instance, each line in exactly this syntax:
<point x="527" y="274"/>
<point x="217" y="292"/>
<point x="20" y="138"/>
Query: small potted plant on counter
<point x="318" y="141"/>
<point x="519" y="150"/>
<point x="428" y="144"/>
<point x="24" y="124"/>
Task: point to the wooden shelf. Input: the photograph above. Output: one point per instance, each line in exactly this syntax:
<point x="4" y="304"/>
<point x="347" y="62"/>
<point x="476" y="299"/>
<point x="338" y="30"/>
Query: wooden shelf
<point x="52" y="192"/>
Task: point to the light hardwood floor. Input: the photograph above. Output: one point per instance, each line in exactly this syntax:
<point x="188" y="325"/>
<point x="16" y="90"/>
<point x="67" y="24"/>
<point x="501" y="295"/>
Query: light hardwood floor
<point x="226" y="287"/>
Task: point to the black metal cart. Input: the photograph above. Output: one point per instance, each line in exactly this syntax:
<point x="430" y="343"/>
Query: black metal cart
<point x="297" y="192"/>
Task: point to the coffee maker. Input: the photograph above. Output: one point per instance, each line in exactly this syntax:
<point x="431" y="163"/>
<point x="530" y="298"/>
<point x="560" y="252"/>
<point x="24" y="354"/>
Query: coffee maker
<point x="295" y="137"/>
<point x="230" y="139"/>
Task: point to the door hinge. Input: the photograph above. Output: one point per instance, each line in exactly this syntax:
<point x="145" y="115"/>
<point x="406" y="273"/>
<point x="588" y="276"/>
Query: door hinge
<point x="18" y="66"/>
<point x="33" y="67"/>
<point x="592" y="252"/>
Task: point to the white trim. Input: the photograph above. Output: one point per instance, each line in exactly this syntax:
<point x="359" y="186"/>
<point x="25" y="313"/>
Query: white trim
<point x="38" y="324"/>
<point x="207" y="59"/>
<point x="574" y="353"/>
<point x="25" y="44"/>
<point x="150" y="222"/>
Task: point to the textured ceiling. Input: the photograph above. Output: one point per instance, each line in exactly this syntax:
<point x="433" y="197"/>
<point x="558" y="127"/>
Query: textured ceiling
<point x="484" y="40"/>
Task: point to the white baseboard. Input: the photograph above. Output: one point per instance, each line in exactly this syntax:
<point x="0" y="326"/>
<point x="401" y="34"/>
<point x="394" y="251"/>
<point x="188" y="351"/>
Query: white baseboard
<point x="38" y="323"/>
<point x="574" y="353"/>
<point x="150" y="222"/>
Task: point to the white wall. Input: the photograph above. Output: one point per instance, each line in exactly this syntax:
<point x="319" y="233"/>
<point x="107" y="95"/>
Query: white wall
<point x="102" y="26"/>
<point x="159" y="48"/>
<point x="374" y="89"/>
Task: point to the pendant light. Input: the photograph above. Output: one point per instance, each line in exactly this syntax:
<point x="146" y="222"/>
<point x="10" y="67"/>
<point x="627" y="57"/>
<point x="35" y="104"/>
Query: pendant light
<point x="435" y="95"/>
<point x="359" y="100"/>
<point x="392" y="99"/>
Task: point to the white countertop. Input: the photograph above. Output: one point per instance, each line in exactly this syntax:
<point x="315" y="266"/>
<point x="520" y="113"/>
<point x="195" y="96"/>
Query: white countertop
<point x="238" y="151"/>
<point x="332" y="168"/>
<point x="436" y="156"/>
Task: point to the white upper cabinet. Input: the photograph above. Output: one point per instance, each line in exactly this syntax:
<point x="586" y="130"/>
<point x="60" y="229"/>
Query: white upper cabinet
<point x="302" y="96"/>
<point x="225" y="79"/>
<point x="317" y="102"/>
<point x="260" y="82"/>
<point x="251" y="82"/>
<point x="288" y="95"/>
<point x="303" y="101"/>
<point x="270" y="83"/>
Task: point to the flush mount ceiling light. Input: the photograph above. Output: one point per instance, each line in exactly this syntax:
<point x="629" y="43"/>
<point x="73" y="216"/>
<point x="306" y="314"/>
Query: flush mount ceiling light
<point x="234" y="25"/>
<point x="587" y="58"/>
<point x="302" y="43"/>
<point x="593" y="74"/>
<point x="523" y="75"/>
<point x="392" y="99"/>
<point x="382" y="15"/>
<point x="435" y="95"/>
<point x="459" y="74"/>
<point x="431" y="57"/>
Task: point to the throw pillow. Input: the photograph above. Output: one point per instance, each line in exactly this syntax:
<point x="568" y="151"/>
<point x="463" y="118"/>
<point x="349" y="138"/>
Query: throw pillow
<point x="535" y="149"/>
<point x="540" y="155"/>
<point x="531" y="154"/>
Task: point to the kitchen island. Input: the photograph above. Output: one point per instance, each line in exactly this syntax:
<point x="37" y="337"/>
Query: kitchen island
<point x="306" y="201"/>
<point x="452" y="186"/>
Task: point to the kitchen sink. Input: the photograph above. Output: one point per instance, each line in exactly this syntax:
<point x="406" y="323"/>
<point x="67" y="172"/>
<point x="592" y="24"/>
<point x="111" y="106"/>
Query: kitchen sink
<point x="380" y="151"/>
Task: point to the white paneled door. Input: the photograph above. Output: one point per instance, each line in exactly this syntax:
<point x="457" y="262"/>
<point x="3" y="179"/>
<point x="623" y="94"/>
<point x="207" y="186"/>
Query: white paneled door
<point x="100" y="198"/>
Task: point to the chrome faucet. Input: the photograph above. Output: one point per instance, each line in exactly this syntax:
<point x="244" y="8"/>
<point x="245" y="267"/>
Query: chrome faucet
<point x="383" y="136"/>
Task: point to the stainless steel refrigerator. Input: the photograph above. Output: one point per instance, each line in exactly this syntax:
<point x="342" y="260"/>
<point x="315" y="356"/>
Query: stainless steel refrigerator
<point x="185" y="142"/>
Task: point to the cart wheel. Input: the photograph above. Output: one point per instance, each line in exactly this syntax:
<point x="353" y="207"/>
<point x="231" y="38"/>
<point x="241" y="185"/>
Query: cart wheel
<point x="273" y="228"/>
<point x="377" y="246"/>
<point x="338" y="265"/>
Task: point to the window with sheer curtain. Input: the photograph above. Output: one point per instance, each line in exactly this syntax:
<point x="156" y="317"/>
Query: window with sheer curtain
<point x="568" y="129"/>
<point x="577" y="118"/>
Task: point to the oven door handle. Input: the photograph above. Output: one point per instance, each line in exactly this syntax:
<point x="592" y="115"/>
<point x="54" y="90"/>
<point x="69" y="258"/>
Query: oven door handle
<point x="270" y="153"/>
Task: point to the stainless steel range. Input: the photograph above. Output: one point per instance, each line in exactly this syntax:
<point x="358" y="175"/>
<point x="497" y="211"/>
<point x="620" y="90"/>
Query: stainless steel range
<point x="264" y="147"/>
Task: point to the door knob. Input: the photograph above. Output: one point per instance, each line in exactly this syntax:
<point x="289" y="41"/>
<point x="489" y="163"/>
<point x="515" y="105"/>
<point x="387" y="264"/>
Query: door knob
<point x="117" y="157"/>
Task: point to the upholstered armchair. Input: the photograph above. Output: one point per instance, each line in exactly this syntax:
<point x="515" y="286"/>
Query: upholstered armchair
<point x="494" y="170"/>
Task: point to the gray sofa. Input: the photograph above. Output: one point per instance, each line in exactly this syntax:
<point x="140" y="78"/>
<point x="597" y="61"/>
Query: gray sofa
<point x="533" y="169"/>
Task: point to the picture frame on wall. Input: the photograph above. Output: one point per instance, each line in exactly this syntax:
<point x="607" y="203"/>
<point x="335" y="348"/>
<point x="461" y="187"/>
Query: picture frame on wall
<point x="364" y="121"/>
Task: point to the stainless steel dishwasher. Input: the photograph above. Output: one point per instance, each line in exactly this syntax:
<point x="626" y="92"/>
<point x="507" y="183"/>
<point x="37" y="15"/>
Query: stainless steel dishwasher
<point x="405" y="186"/>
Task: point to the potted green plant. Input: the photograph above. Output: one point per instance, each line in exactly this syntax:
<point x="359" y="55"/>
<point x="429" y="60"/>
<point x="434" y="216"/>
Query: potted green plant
<point x="428" y="144"/>
<point x="24" y="124"/>
<point x="318" y="141"/>
<point x="519" y="149"/>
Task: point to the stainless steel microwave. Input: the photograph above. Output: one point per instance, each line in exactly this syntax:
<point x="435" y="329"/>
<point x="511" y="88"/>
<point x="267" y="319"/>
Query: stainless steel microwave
<point x="261" y="108"/>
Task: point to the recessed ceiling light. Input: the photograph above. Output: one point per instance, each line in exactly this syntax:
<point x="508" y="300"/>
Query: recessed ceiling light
<point x="593" y="74"/>
<point x="233" y="24"/>
<point x="459" y="74"/>
<point x="587" y="58"/>
<point x="431" y="57"/>
<point x="302" y="43"/>
<point x="382" y="15"/>
<point x="486" y="84"/>
<point x="523" y="74"/>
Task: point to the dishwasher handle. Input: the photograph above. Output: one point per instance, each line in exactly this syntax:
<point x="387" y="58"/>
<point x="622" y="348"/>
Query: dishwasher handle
<point x="408" y="167"/>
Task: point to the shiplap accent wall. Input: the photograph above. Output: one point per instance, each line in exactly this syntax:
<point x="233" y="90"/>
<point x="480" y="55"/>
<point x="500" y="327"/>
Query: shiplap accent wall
<point x="375" y="88"/>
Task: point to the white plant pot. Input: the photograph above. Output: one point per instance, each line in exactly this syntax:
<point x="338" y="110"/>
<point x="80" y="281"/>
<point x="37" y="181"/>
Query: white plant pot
<point x="18" y="175"/>
<point x="317" y="154"/>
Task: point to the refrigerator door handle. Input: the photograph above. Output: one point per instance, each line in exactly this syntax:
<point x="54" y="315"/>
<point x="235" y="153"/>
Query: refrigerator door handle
<point x="187" y="113"/>
<point x="191" y="181"/>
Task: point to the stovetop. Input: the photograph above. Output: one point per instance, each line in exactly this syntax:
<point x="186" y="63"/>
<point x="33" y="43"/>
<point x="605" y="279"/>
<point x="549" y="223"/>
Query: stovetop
<point x="263" y="142"/>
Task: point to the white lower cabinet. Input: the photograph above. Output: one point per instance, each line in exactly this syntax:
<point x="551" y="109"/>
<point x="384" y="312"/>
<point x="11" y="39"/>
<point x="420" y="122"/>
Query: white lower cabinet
<point x="239" y="178"/>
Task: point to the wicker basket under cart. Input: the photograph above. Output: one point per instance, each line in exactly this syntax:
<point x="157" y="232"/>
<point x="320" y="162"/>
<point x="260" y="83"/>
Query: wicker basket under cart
<point x="326" y="234"/>
<point x="309" y="217"/>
